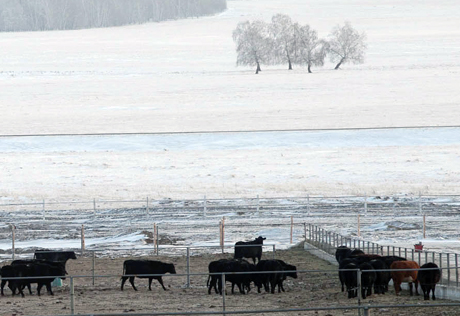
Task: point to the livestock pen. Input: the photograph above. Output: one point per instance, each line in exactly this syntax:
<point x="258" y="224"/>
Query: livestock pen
<point x="315" y="290"/>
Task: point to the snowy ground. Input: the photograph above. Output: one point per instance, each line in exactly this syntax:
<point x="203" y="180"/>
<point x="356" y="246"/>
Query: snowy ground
<point x="180" y="76"/>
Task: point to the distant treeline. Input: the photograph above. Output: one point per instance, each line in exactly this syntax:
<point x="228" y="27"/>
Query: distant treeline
<point x="41" y="15"/>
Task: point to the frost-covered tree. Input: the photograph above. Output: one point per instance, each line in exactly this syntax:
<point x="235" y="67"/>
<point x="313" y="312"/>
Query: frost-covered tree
<point x="252" y="44"/>
<point x="311" y="51"/>
<point x="346" y="45"/>
<point x="281" y="32"/>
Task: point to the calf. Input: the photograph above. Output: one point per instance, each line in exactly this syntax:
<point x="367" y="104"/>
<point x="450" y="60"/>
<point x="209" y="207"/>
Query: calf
<point x="249" y="249"/>
<point x="428" y="275"/>
<point x="145" y="269"/>
<point x="409" y="276"/>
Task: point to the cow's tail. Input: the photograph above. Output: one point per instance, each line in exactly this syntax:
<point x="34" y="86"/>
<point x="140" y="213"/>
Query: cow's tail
<point x="124" y="270"/>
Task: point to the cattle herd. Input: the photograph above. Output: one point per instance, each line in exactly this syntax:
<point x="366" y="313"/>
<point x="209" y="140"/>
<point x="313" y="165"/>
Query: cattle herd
<point x="377" y="271"/>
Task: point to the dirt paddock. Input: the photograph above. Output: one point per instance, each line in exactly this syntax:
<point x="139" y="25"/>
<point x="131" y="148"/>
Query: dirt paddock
<point x="312" y="289"/>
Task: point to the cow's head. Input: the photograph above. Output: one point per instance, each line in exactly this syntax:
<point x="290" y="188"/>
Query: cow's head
<point x="260" y="239"/>
<point x="170" y="268"/>
<point x="292" y="269"/>
<point x="71" y="255"/>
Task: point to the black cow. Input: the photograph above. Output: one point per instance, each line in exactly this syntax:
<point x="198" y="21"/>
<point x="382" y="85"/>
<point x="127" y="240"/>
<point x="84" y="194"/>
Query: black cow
<point x="10" y="271"/>
<point x="277" y="272"/>
<point x="290" y="271"/>
<point x="143" y="269"/>
<point x="390" y="259"/>
<point x="357" y="252"/>
<point x="54" y="255"/>
<point x="341" y="253"/>
<point x="342" y="274"/>
<point x="367" y="279"/>
<point x="273" y="277"/>
<point x="428" y="275"/>
<point x="237" y="271"/>
<point x="382" y="276"/>
<point x="40" y="272"/>
<point x="59" y="266"/>
<point x="213" y="279"/>
<point x="249" y="249"/>
<point x="350" y="279"/>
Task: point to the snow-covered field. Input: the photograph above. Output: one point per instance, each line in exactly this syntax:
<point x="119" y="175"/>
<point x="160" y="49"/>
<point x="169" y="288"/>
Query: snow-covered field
<point x="180" y="76"/>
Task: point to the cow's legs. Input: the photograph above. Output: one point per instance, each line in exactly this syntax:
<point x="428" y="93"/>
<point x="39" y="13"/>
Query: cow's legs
<point x="150" y="284"/>
<point x="48" y="288"/>
<point x="123" y="280"/>
<point x="219" y="285"/>
<point x="410" y="289"/>
<point x="39" y="287"/>
<point x="2" y="285"/>
<point x="241" y="288"/>
<point x="131" y="280"/>
<point x="161" y="282"/>
<point x="273" y="286"/>
<point x="212" y="283"/>
<point x="397" y="289"/>
<point x="416" y="287"/>
<point x="432" y="292"/>
<point x="29" y="287"/>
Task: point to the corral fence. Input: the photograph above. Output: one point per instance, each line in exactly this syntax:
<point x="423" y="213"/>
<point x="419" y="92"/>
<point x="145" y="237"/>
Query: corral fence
<point x="329" y="241"/>
<point x="363" y="203"/>
<point x="359" y="305"/>
<point x="204" y="218"/>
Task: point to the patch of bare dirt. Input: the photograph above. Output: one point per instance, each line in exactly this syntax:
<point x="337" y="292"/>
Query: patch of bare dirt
<point x="312" y="289"/>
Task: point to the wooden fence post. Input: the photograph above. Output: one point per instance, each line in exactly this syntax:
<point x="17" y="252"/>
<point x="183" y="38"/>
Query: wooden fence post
<point x="82" y="239"/>
<point x="223" y="234"/>
<point x="424" y="226"/>
<point x="155" y="241"/>
<point x="13" y="239"/>
<point x="365" y="204"/>
<point x="359" y="227"/>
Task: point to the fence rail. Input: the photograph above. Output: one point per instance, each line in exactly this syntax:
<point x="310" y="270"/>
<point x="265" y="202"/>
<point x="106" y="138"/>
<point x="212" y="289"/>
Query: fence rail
<point x="329" y="241"/>
<point x="360" y="306"/>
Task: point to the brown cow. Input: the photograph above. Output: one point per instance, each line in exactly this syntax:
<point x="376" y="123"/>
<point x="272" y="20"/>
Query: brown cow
<point x="405" y="276"/>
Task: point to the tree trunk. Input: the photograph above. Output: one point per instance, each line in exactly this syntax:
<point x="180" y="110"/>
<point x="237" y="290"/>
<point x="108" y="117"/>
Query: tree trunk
<point x="258" y="68"/>
<point x="338" y="65"/>
<point x="290" y="64"/>
<point x="309" y="68"/>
